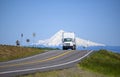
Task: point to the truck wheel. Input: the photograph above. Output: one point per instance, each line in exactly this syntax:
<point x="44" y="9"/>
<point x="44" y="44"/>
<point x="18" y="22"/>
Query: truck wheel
<point x="74" y="47"/>
<point x="63" y="48"/>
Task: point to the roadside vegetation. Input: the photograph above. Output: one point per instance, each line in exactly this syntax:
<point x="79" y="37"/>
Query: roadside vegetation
<point x="70" y="72"/>
<point x="104" y="62"/>
<point x="8" y="52"/>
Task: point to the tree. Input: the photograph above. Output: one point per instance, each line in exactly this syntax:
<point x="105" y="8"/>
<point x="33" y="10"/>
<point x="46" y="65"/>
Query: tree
<point x="17" y="42"/>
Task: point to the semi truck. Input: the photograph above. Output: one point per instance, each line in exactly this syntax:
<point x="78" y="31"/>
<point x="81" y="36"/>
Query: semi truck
<point x="68" y="41"/>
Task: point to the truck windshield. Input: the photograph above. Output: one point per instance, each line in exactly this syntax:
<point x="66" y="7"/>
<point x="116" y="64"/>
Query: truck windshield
<point x="67" y="39"/>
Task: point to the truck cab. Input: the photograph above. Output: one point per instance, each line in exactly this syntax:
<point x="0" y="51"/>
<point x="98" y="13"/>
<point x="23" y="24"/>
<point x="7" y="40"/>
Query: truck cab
<point x="68" y="41"/>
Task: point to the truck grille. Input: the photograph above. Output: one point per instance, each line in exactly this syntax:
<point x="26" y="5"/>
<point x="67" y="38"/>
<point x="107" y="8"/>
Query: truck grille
<point x="67" y="44"/>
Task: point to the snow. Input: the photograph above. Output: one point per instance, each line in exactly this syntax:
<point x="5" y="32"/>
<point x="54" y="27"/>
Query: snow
<point x="56" y="40"/>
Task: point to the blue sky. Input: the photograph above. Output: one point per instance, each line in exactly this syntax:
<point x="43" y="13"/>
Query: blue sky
<point x="95" y="20"/>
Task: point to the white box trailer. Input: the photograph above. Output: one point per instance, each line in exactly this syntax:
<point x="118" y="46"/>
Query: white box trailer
<point x="68" y="40"/>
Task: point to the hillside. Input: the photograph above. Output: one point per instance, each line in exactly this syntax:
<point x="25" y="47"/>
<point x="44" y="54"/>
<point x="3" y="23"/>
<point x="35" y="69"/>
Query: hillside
<point x="104" y="62"/>
<point x="8" y="52"/>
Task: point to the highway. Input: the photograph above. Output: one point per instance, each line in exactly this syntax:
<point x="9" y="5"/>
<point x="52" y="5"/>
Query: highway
<point x="51" y="60"/>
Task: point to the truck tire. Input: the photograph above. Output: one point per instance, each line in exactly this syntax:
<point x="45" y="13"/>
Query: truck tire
<point x="74" y="47"/>
<point x="64" y="48"/>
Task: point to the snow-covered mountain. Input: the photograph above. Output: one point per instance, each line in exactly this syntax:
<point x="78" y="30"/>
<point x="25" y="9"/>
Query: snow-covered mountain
<point x="56" y="40"/>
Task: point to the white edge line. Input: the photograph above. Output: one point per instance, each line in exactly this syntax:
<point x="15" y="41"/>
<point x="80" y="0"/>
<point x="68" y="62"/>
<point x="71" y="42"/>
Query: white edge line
<point x="48" y="66"/>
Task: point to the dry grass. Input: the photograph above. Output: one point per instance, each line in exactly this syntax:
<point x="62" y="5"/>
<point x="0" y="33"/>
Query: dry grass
<point x="15" y="52"/>
<point x="70" y="72"/>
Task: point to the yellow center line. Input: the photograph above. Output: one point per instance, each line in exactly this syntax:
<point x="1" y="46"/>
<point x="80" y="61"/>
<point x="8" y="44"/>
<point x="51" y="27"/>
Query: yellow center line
<point x="38" y="61"/>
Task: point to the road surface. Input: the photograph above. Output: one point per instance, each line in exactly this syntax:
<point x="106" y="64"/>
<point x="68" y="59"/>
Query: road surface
<point x="51" y="60"/>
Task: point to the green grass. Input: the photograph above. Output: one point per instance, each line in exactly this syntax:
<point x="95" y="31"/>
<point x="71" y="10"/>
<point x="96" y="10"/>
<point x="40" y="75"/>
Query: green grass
<point x="103" y="62"/>
<point x="70" y="72"/>
<point x="8" y="52"/>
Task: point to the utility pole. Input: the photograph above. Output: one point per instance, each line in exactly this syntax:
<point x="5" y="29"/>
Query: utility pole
<point x="21" y="38"/>
<point x="34" y="39"/>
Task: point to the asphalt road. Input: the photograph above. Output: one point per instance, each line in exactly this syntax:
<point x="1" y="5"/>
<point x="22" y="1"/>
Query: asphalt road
<point x="51" y="60"/>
